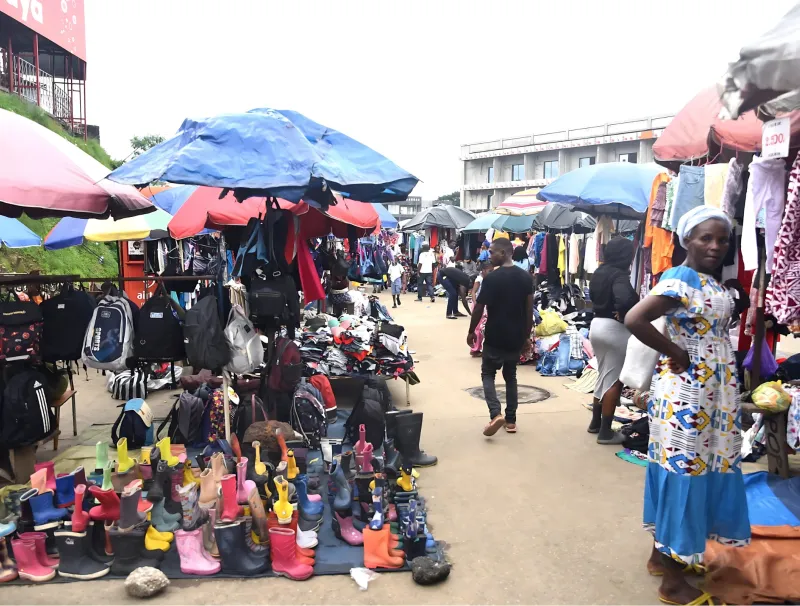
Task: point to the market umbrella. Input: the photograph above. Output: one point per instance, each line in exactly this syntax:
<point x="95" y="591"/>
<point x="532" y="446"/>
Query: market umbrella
<point x="481" y="223"/>
<point x="521" y="204"/>
<point x="442" y="215"/>
<point x="557" y="217"/>
<point x="698" y="132"/>
<point x="514" y="224"/>
<point x="618" y="189"/>
<point x="268" y="152"/>
<point x="70" y="231"/>
<point x="14" y="234"/>
<point x="387" y="219"/>
<point x="767" y="68"/>
<point x="44" y="175"/>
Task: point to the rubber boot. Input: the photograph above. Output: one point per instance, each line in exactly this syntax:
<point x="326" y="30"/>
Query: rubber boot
<point x="209" y="540"/>
<point x="236" y="556"/>
<point x="28" y="565"/>
<point x="145" y="467"/>
<point x="391" y="458"/>
<point x="230" y="507"/>
<point x="191" y="552"/>
<point x="160" y="483"/>
<point x="108" y="472"/>
<point x="8" y="569"/>
<point x="284" y="555"/>
<point x="156" y="541"/>
<point x="343" y="529"/>
<point x="39" y="539"/>
<point x="344" y="498"/>
<point x="119" y="480"/>
<point x="406" y="481"/>
<point x="109" y="508"/>
<point x="291" y="469"/>
<point x="282" y="444"/>
<point x="243" y="486"/>
<point x="359" y="447"/>
<point x="172" y="499"/>
<point x="366" y="459"/>
<point x="376" y="523"/>
<point x="142" y="505"/>
<point x="45" y="515"/>
<point x="79" y="476"/>
<point x="364" y="496"/>
<point x="258" y="514"/>
<point x="376" y="550"/>
<point x="307" y="507"/>
<point x="218" y="467"/>
<point x="259" y="466"/>
<point x="76" y="560"/>
<point x="39" y="481"/>
<point x="282" y="508"/>
<point x="98" y="540"/>
<point x="193" y="515"/>
<point x="124" y="462"/>
<point x="166" y="452"/>
<point x="50" y="474"/>
<point x="188" y="475"/>
<point x="7" y="528"/>
<point x="129" y="515"/>
<point x="409" y="430"/>
<point x="208" y="490"/>
<point x="163" y="520"/>
<point x="128" y="549"/>
<point x="80" y="518"/>
<point x="260" y="480"/>
<point x="100" y="456"/>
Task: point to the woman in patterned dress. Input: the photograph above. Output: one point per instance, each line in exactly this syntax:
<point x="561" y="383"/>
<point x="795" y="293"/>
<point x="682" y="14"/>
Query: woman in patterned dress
<point x="694" y="489"/>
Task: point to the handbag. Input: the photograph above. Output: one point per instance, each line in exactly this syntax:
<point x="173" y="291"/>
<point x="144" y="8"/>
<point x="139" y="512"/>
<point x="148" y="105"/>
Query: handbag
<point x="641" y="360"/>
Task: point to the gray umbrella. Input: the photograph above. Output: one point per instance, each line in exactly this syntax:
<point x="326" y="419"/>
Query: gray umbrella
<point x="557" y="217"/>
<point x="443" y="215"/>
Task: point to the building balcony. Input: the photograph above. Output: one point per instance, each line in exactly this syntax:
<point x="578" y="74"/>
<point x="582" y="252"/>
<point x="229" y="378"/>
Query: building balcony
<point x="526" y="184"/>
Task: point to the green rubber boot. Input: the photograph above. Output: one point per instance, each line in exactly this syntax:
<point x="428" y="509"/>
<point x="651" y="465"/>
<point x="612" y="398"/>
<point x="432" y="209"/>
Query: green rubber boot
<point x="107" y="485"/>
<point x="101" y="455"/>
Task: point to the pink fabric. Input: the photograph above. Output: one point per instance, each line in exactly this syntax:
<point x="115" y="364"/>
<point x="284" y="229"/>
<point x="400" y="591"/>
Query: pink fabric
<point x="479" y="334"/>
<point x="309" y="278"/>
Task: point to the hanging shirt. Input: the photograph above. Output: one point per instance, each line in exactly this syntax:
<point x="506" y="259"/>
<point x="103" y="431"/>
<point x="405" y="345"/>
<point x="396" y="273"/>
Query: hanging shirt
<point x="562" y="255"/>
<point x="716" y="175"/>
<point x="590" y="255"/>
<point x="574" y="253"/>
<point x="765" y="190"/>
<point x="602" y="234"/>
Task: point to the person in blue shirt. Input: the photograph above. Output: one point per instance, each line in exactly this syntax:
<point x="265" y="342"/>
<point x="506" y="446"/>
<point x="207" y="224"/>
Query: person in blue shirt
<point x="484" y="254"/>
<point x="520" y="258"/>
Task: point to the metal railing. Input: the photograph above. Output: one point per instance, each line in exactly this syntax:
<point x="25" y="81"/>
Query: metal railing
<point x="53" y="96"/>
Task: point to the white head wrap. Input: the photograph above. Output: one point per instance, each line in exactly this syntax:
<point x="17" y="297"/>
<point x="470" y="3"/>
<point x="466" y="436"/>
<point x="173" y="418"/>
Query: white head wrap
<point x="695" y="217"/>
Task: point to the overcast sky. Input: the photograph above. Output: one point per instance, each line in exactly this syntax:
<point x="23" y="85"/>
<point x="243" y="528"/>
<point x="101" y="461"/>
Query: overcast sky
<point x="411" y="79"/>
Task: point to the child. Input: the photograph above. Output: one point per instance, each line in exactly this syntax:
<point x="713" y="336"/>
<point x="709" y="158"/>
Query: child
<point x="395" y="278"/>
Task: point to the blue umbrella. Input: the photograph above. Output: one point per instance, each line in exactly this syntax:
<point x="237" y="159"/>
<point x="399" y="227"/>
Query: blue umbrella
<point x="387" y="219"/>
<point x="269" y="152"/>
<point x="619" y="189"/>
<point x="14" y="234"/>
<point x="481" y="223"/>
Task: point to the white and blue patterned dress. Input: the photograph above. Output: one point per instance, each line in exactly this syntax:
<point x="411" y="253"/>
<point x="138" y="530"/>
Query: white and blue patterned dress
<point x="694" y="488"/>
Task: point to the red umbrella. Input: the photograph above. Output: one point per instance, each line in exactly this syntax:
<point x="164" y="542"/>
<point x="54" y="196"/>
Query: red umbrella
<point x="44" y="175"/>
<point x="698" y="132"/>
<point x="204" y="209"/>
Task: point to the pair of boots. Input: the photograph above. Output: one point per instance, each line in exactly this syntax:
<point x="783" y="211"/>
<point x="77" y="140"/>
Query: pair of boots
<point x="378" y="552"/>
<point x="601" y="425"/>
<point x="130" y="549"/>
<point x="236" y="556"/>
<point x="287" y="561"/>
<point x="395" y="301"/>
<point x="404" y="428"/>
<point x="33" y="562"/>
<point x="75" y="549"/>
<point x="40" y="507"/>
<point x="342" y="504"/>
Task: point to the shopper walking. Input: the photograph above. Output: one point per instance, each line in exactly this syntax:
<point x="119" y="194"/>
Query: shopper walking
<point x="427" y="259"/>
<point x="694" y="489"/>
<point x="612" y="297"/>
<point x="507" y="296"/>
<point x="396" y="272"/>
<point x="456" y="283"/>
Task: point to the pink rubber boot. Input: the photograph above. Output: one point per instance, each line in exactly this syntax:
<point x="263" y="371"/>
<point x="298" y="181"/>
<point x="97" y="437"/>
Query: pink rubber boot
<point x="346" y="531"/>
<point x="243" y="486"/>
<point x="191" y="552"/>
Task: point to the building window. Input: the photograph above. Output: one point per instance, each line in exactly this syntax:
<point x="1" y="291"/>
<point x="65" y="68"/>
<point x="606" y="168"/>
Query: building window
<point x="491" y="175"/>
<point x="517" y="172"/>
<point x="588" y="161"/>
<point x="551" y="169"/>
<point x="489" y="201"/>
<point x="628" y="158"/>
<point x="393" y="208"/>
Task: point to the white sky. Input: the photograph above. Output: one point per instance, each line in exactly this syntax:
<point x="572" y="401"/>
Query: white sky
<point x="411" y="79"/>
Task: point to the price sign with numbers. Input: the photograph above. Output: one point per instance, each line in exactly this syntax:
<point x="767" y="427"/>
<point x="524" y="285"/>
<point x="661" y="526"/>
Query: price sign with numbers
<point x="775" y="138"/>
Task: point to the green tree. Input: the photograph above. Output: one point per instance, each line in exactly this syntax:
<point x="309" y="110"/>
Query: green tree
<point x="142" y="144"/>
<point x="454" y="198"/>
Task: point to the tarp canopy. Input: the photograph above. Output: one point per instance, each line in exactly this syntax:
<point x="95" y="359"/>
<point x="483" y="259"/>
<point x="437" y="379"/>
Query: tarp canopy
<point x="14" y="234"/>
<point x="387" y="219"/>
<point x="443" y="215"/>
<point x="481" y="223"/>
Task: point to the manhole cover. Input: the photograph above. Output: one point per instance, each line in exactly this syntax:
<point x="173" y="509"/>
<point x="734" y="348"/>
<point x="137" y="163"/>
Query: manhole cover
<point x="528" y="394"/>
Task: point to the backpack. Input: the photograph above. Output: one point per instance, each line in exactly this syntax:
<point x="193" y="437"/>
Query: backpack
<point x="128" y="384"/>
<point x="370" y="411"/>
<point x="206" y="345"/>
<point x="26" y="414"/>
<point x="185" y="420"/>
<point x="109" y="338"/>
<point x="21" y="327"/>
<point x="250" y="410"/>
<point x="134" y="423"/>
<point x="307" y="414"/>
<point x="160" y="333"/>
<point x="637" y="435"/>
<point x="247" y="353"/>
<point x="66" y="318"/>
<point x="286" y="368"/>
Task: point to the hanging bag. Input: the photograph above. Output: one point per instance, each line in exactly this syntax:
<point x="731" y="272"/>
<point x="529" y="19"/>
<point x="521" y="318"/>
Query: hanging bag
<point x="247" y="353"/>
<point x="641" y="360"/>
<point x="21" y="326"/>
<point x="160" y="333"/>
<point x="109" y="338"/>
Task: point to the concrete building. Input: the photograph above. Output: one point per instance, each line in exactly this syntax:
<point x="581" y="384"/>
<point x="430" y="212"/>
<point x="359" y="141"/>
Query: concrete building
<point x="409" y="207"/>
<point x="494" y="170"/>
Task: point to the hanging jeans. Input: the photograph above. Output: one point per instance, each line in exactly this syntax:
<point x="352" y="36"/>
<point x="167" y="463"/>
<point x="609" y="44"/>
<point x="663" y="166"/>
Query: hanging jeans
<point x="493" y="360"/>
<point x="425" y="279"/>
<point x="452" y="296"/>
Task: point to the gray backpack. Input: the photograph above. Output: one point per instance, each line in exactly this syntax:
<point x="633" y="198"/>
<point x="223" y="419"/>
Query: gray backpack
<point x="247" y="353"/>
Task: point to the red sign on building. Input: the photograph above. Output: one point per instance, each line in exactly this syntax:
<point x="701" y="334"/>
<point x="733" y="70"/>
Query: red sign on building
<point x="60" y="21"/>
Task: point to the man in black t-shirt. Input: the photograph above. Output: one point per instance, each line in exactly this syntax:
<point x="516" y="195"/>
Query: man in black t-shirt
<point x="507" y="294"/>
<point x="457" y="284"/>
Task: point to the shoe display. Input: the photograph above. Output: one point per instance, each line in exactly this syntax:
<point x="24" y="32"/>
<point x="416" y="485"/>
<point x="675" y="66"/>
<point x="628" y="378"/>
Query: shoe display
<point x="230" y="506"/>
<point x="283" y="552"/>
<point x="209" y="540"/>
<point x="192" y="554"/>
<point x="108" y="471"/>
<point x="291" y="469"/>
<point x="65" y="490"/>
<point x="208" y="490"/>
<point x="160" y="483"/>
<point x="243" y="486"/>
<point x="29" y="567"/>
<point x="172" y="499"/>
<point x="260" y="468"/>
<point x="165" y="450"/>
<point x="100" y="546"/>
<point x="344" y="530"/>
<point x="76" y="559"/>
<point x="129" y="551"/>
<point x="193" y="515"/>
<point x="188" y="474"/>
<point x="7" y="528"/>
<point x="156" y="541"/>
<point x="39" y="481"/>
<point x="344" y="497"/>
<point x="359" y="446"/>
<point x="236" y="557"/>
<point x="129" y="515"/>
<point x="119" y="480"/>
<point x="258" y="514"/>
<point x="376" y="523"/>
<point x="307" y="507"/>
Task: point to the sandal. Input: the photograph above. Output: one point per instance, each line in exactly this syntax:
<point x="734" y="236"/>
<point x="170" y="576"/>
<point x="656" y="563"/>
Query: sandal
<point x="511" y="427"/>
<point x="493" y="426"/>
<point x="704" y="599"/>
<point x="691" y="570"/>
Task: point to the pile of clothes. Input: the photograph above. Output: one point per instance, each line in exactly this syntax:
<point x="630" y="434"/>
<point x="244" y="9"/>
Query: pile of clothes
<point x="561" y="344"/>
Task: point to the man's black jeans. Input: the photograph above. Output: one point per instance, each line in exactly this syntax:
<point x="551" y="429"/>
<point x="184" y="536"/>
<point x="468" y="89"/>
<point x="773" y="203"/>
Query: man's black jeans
<point x="493" y="360"/>
<point x="426" y="279"/>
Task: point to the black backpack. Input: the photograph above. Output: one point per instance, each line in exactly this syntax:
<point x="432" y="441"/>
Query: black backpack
<point x="370" y="411"/>
<point x="26" y="414"/>
<point x="185" y="420"/>
<point x="307" y="414"/>
<point x="249" y="411"/>
<point x="129" y="425"/>
<point x="160" y="334"/>
<point x="637" y="435"/>
<point x="204" y="336"/>
<point x="66" y="318"/>
<point x="20" y="329"/>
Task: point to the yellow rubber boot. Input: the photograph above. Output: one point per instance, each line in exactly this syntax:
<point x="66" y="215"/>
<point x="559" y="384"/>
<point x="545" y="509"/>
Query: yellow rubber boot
<point x="155" y="535"/>
<point x="283" y="509"/>
<point x="188" y="476"/>
<point x="405" y="481"/>
<point x="152" y="541"/>
<point x="260" y="468"/>
<point x="291" y="469"/>
<point x="124" y="462"/>
<point x="166" y="452"/>
<point x="144" y="456"/>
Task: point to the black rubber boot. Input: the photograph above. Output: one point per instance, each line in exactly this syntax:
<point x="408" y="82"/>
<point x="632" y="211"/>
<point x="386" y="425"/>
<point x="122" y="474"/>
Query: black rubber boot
<point x="160" y="483"/>
<point x="415" y="548"/>
<point x="608" y="435"/>
<point x="597" y="413"/>
<point x="409" y="430"/>
<point x="128" y="551"/>
<point x="391" y="458"/>
<point x="236" y="556"/>
<point x="363" y="481"/>
<point x="97" y="542"/>
<point x="76" y="561"/>
<point x="171" y="503"/>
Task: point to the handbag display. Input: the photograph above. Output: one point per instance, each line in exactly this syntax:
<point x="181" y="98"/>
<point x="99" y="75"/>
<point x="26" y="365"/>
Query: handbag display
<point x="641" y="360"/>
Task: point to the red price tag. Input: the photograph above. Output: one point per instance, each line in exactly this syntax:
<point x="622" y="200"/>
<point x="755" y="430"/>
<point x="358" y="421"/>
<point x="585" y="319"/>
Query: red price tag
<point x="775" y="138"/>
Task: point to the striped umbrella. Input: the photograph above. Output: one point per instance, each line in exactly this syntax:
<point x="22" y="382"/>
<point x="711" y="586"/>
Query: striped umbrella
<point x="74" y="232"/>
<point x="521" y="204"/>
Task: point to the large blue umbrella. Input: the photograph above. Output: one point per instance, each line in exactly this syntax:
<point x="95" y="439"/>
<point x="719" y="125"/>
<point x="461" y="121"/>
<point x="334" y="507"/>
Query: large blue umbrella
<point x="618" y="189"/>
<point x="481" y="223"/>
<point x="269" y="152"/>
<point x="387" y="219"/>
<point x="14" y="234"/>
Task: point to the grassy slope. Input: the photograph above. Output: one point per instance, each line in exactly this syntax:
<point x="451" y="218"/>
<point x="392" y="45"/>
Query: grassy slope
<point x="82" y="260"/>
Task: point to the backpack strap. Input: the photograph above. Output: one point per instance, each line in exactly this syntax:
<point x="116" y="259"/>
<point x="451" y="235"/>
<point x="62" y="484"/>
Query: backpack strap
<point x="173" y="411"/>
<point x="115" y="427"/>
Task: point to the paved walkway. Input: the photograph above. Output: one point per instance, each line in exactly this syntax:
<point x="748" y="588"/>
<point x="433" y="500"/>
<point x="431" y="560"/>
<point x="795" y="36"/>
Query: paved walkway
<point x="543" y="516"/>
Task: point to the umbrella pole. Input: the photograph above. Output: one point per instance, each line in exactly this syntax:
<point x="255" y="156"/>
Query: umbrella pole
<point x="119" y="265"/>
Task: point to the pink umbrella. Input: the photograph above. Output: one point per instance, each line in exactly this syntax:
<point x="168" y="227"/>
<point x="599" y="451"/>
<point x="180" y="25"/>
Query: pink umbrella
<point x="44" y="175"/>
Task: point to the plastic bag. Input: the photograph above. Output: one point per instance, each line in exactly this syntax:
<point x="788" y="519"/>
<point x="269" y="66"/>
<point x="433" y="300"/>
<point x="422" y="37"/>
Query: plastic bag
<point x="767" y="364"/>
<point x="771" y="397"/>
<point x="551" y="324"/>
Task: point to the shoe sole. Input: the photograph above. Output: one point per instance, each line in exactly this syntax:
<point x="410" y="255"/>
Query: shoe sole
<point x="511" y="430"/>
<point x="84" y="577"/>
<point x="46" y="526"/>
<point x="494" y="426"/>
<point x="34" y="579"/>
<point x="593" y="431"/>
